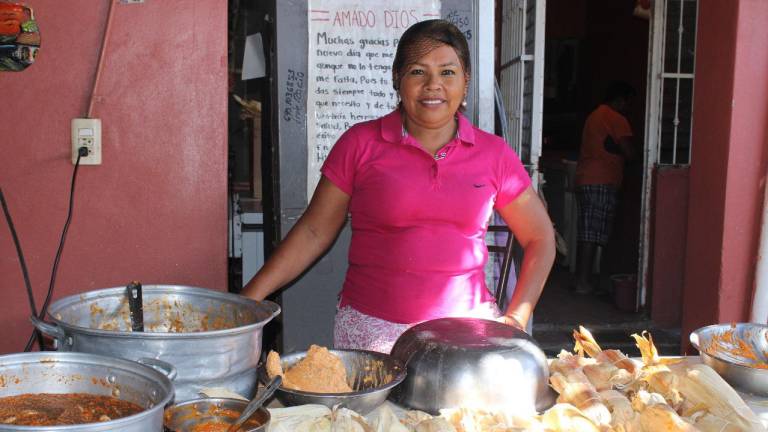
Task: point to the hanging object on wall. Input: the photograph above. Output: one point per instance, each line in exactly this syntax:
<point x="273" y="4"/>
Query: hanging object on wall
<point x="642" y="9"/>
<point x="19" y="36"/>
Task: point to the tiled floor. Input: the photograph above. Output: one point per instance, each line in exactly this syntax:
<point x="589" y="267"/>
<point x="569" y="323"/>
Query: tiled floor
<point x="560" y="311"/>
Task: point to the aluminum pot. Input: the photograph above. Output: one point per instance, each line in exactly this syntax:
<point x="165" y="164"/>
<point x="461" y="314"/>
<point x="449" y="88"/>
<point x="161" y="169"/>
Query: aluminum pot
<point x="212" y="338"/>
<point x="56" y="372"/>
<point x="471" y="363"/>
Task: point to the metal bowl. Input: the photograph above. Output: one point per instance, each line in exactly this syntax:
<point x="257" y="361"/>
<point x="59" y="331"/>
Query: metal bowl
<point x="471" y="363"/>
<point x="744" y="373"/>
<point x="186" y="415"/>
<point x="371" y="375"/>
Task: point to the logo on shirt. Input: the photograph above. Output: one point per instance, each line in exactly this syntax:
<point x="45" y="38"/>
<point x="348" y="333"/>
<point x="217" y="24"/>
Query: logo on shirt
<point x="478" y="185"/>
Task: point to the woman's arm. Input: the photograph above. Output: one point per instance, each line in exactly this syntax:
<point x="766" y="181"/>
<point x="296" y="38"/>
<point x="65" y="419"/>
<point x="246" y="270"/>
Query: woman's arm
<point x="306" y="241"/>
<point x="529" y="222"/>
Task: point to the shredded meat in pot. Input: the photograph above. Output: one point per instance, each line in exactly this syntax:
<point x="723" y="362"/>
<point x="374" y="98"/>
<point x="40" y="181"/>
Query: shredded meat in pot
<point x="319" y="372"/>
<point x="63" y="409"/>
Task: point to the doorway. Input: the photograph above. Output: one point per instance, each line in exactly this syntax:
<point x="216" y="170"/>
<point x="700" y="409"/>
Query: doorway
<point x="589" y="44"/>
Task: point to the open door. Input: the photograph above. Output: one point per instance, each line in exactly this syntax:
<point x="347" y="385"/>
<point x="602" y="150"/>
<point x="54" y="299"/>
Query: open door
<point x="669" y="106"/>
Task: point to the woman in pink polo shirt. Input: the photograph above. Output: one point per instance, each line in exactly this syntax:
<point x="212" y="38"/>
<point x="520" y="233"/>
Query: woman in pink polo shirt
<point x="420" y="184"/>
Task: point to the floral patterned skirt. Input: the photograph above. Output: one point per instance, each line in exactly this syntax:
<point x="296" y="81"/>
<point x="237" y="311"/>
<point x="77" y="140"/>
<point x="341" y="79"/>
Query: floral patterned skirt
<point x="355" y="330"/>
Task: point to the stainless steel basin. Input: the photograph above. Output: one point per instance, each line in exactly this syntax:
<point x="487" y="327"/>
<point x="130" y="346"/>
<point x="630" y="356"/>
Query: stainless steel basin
<point x="738" y="352"/>
<point x="471" y="363"/>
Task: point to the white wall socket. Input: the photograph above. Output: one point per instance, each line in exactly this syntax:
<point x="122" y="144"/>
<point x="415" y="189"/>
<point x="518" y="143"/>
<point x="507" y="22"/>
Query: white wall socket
<point x="86" y="133"/>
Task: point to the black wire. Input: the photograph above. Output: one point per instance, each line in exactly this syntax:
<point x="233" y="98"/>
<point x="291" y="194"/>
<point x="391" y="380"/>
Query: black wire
<point x="22" y="261"/>
<point x="56" y="260"/>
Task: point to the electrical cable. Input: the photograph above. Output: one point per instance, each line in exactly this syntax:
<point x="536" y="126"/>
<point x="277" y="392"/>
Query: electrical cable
<point x="82" y="151"/>
<point x="104" y="40"/>
<point x="22" y="262"/>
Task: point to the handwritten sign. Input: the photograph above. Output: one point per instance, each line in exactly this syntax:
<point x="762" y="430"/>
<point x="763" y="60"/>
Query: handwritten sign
<point x="351" y="48"/>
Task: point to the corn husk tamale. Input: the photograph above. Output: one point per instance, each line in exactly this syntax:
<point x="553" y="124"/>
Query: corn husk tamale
<point x="702" y="387"/>
<point x="435" y="424"/>
<point x="584" y="342"/>
<point x="583" y="396"/>
<point x="605" y="376"/>
<point x="346" y="420"/>
<point x="643" y="399"/>
<point x="707" y="422"/>
<point x="566" y="362"/>
<point x="623" y="417"/>
<point x="662" y="418"/>
<point x="384" y="419"/>
<point x="566" y="417"/>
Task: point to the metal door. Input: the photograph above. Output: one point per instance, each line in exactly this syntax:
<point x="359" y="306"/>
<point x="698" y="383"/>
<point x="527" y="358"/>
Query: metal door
<point x="669" y="102"/>
<point x="522" y="78"/>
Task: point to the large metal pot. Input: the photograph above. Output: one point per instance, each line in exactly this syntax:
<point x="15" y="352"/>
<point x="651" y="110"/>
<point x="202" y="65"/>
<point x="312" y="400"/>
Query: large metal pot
<point x="471" y="363"/>
<point x="52" y="372"/>
<point x="212" y="338"/>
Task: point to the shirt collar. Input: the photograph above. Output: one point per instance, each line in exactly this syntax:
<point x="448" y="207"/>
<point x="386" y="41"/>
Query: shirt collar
<point x="392" y="128"/>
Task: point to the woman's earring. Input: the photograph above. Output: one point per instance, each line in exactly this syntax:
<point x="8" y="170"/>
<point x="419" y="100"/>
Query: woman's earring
<point x="464" y="103"/>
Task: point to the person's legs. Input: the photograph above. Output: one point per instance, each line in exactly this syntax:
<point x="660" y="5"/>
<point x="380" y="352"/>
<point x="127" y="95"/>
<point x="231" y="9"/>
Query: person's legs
<point x="596" y="209"/>
<point x="585" y="258"/>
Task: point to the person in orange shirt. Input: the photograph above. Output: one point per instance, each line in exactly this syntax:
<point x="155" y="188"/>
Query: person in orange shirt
<point x="606" y="143"/>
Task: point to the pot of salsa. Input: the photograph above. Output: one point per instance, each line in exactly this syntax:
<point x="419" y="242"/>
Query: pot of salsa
<point x="213" y="415"/>
<point x="75" y="392"/>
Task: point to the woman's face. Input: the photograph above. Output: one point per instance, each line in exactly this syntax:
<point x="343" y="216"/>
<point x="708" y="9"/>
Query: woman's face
<point x="432" y="89"/>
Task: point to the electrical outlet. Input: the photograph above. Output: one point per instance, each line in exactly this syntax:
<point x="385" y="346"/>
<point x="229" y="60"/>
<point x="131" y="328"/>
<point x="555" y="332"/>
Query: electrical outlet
<point x="86" y="133"/>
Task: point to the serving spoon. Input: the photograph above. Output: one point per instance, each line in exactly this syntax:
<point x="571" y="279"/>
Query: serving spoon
<point x="256" y="403"/>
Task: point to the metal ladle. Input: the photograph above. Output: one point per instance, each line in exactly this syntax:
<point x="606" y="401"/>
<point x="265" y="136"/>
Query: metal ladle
<point x="256" y="403"/>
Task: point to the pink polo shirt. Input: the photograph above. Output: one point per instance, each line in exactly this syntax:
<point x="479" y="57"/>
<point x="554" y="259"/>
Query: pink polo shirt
<point x="419" y="222"/>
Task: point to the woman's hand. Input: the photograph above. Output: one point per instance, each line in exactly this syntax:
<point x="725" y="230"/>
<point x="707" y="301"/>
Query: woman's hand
<point x="510" y="320"/>
<point x="529" y="222"/>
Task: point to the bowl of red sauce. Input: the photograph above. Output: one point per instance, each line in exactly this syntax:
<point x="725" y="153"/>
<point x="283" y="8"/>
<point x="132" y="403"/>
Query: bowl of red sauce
<point x="213" y="415"/>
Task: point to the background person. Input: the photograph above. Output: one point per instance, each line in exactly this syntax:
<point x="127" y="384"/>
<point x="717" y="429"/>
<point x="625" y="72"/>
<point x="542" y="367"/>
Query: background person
<point x="606" y="144"/>
<point x="421" y="184"/>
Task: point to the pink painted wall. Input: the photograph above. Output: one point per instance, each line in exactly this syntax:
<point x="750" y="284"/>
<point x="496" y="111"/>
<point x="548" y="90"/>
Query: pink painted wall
<point x="728" y="166"/>
<point x="156" y="209"/>
<point x="668" y="225"/>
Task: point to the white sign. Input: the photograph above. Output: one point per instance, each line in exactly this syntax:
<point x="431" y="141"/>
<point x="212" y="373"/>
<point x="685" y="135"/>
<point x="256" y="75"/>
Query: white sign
<point x="351" y="48"/>
<point x="254" y="65"/>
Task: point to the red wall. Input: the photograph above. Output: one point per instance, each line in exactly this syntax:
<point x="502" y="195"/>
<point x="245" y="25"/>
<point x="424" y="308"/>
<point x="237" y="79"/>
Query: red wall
<point x="156" y="209"/>
<point x="728" y="165"/>
<point x="669" y="219"/>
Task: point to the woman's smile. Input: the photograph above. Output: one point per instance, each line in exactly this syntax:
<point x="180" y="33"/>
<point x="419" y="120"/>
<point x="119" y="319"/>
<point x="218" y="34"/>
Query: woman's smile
<point x="432" y="89"/>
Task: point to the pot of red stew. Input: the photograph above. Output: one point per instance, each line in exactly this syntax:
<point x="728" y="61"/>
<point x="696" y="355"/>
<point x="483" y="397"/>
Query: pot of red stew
<point x="52" y="391"/>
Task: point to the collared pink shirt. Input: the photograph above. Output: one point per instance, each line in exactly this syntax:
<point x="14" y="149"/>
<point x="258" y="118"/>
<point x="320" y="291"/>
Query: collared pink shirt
<point x="419" y="222"/>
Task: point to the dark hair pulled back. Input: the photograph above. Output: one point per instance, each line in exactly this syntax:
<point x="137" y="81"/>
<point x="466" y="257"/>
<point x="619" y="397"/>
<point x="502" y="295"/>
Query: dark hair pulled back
<point x="424" y="36"/>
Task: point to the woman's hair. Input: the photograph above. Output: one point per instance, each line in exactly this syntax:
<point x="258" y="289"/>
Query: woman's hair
<point x="424" y="36"/>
